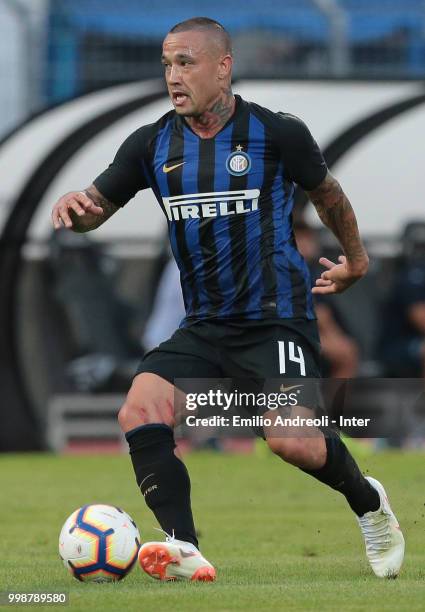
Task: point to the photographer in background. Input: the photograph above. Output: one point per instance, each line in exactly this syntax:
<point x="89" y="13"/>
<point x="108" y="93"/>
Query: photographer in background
<point x="402" y="339"/>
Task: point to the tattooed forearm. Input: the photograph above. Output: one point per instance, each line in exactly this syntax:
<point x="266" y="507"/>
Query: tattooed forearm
<point x="335" y="211"/>
<point x="89" y="221"/>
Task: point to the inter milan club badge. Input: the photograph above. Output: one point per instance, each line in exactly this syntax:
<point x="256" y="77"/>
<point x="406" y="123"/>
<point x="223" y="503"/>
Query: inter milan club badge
<point x="238" y="163"/>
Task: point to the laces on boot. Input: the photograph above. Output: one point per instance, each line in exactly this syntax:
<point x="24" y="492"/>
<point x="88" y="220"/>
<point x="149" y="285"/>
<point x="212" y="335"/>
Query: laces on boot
<point x="169" y="538"/>
<point x="377" y="532"/>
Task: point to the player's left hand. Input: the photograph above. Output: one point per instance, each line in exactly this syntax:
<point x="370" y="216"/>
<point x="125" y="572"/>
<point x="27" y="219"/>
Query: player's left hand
<point x="338" y="276"/>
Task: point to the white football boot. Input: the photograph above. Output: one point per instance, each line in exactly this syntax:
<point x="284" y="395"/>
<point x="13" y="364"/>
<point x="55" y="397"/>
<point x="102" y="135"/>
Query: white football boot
<point x="383" y="538"/>
<point x="175" y="560"/>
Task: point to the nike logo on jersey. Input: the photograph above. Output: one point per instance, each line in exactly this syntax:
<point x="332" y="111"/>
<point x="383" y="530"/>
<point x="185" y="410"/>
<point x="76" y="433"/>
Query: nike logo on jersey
<point x="166" y="168"/>
<point x="213" y="204"/>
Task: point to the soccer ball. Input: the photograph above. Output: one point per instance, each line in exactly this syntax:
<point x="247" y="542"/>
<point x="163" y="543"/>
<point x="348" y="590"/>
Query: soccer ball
<point x="99" y="543"/>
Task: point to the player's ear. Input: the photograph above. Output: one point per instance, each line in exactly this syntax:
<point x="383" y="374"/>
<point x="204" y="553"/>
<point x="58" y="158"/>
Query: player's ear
<point x="225" y="67"/>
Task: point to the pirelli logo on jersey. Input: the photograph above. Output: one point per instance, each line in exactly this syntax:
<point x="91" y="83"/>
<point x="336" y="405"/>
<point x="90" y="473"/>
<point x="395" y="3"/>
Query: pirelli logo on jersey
<point x="214" y="204"/>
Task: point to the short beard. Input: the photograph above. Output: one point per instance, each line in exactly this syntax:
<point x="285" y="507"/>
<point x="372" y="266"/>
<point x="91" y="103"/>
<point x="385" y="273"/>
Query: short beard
<point x="187" y="114"/>
<point x="194" y="114"/>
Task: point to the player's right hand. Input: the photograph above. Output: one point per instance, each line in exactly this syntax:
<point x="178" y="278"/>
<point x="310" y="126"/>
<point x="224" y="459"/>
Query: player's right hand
<point x="77" y="202"/>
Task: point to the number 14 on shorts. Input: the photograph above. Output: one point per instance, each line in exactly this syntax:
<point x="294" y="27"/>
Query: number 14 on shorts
<point x="289" y="351"/>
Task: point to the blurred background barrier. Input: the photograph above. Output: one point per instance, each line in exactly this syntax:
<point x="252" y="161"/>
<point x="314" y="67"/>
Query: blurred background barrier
<point x="53" y="50"/>
<point x="78" y="77"/>
<point x="80" y="422"/>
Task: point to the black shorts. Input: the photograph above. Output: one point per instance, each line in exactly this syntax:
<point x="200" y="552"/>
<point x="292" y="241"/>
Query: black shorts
<point x="267" y="354"/>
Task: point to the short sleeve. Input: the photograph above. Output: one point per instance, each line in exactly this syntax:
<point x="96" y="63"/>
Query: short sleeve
<point x="301" y="156"/>
<point x="125" y="176"/>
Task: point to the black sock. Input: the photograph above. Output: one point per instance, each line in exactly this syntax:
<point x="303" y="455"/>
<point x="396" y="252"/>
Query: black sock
<point x="163" y="479"/>
<point x="342" y="473"/>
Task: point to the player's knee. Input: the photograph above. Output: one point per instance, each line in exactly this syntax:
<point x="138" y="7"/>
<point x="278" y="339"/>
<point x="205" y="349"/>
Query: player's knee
<point x="126" y="416"/>
<point x="134" y="413"/>
<point x="148" y="401"/>
<point x="292" y="450"/>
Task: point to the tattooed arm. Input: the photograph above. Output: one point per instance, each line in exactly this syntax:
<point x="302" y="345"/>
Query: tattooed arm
<point x="335" y="211"/>
<point x="82" y="211"/>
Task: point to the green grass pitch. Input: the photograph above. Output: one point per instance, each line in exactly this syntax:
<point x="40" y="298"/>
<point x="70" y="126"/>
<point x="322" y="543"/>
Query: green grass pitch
<point x="279" y="540"/>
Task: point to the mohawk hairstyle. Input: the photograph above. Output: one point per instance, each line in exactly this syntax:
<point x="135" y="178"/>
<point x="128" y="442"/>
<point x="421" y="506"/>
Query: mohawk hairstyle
<point x="208" y="25"/>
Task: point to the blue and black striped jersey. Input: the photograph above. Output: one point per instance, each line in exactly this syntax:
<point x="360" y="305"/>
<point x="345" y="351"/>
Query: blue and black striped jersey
<point x="228" y="202"/>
